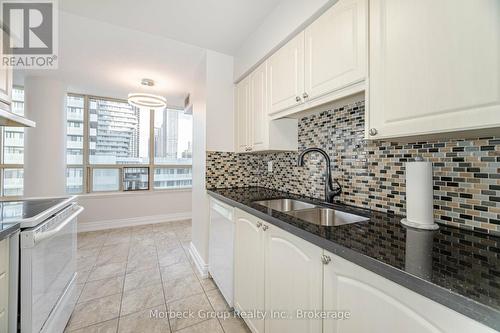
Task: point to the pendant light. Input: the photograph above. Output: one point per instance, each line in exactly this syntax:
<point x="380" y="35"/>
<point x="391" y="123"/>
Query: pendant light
<point x="145" y="100"/>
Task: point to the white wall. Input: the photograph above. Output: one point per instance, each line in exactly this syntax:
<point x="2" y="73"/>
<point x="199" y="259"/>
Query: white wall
<point x="199" y="201"/>
<point x="45" y="148"/>
<point x="114" y="210"/>
<point x="213" y="129"/>
<point x="220" y="102"/>
<point x="288" y="18"/>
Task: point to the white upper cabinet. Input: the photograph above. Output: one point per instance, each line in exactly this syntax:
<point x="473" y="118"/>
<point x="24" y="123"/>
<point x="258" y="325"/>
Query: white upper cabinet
<point x="259" y="117"/>
<point x="243" y="115"/>
<point x="434" y="67"/>
<point x="378" y="305"/>
<point x="336" y="49"/>
<point x="255" y="129"/>
<point x="5" y="88"/>
<point x="286" y="75"/>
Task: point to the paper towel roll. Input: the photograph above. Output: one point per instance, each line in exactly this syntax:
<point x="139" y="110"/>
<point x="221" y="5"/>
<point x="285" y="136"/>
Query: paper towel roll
<point x="419" y="196"/>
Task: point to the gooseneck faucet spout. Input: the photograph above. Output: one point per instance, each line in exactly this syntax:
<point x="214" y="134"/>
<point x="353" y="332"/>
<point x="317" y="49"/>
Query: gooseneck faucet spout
<point x="330" y="192"/>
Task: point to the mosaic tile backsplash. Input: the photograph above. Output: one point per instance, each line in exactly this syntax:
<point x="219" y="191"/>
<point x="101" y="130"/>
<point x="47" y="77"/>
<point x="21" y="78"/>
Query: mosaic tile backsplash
<point x="466" y="172"/>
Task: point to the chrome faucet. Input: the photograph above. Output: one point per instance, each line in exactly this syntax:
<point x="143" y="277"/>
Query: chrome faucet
<point x="330" y="192"/>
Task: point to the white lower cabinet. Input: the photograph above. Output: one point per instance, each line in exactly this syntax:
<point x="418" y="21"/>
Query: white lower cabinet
<point x="249" y="268"/>
<point x="377" y="305"/>
<point x="4" y="284"/>
<point x="276" y="273"/>
<point x="293" y="275"/>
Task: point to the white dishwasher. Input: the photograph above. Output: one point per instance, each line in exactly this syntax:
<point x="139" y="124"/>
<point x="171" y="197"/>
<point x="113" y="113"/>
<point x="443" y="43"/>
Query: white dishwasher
<point x="221" y="248"/>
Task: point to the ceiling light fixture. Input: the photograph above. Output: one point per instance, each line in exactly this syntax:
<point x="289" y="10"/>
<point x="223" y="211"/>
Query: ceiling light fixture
<point x="145" y="100"/>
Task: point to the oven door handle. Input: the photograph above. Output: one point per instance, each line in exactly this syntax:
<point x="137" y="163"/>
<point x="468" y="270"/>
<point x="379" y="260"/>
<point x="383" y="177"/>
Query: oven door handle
<point x="47" y="234"/>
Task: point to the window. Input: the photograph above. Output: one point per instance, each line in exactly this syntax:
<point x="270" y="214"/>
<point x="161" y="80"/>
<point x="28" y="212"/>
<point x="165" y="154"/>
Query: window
<point x="12" y="151"/>
<point x="112" y="146"/>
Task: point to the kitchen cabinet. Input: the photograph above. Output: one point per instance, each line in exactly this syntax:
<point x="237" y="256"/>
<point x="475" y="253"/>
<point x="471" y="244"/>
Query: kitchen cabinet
<point x="4" y="285"/>
<point x="293" y="281"/>
<point x="249" y="268"/>
<point x="326" y="61"/>
<point x="275" y="271"/>
<point x="286" y="75"/>
<point x="256" y="131"/>
<point x="243" y="115"/>
<point x="6" y="88"/>
<point x="434" y="67"/>
<point x="336" y="49"/>
<point x="378" y="305"/>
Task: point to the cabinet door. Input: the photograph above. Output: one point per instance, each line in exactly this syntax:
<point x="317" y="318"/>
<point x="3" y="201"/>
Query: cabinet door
<point x="249" y="268"/>
<point x="6" y="85"/>
<point x="429" y="71"/>
<point x="260" y="119"/>
<point x="286" y="75"/>
<point x="243" y="115"/>
<point x="293" y="272"/>
<point x="336" y="48"/>
<point x="4" y="284"/>
<point x="377" y="305"/>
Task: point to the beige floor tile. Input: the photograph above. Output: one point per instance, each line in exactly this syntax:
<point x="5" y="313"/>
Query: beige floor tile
<point x="105" y="327"/>
<point x="111" y="254"/>
<point x="208" y="326"/>
<point x="101" y="288"/>
<point x="142" y="279"/>
<point x="217" y="300"/>
<point x="166" y="247"/>
<point x="141" y="299"/>
<point x="234" y="325"/>
<point x="85" y="263"/>
<point x="176" y="271"/>
<point x="175" y="256"/>
<point x="82" y="276"/>
<point x="95" y="311"/>
<point x="208" y="284"/>
<point x="85" y="253"/>
<point x="144" y="322"/>
<point x="197" y="304"/>
<point x="108" y="270"/>
<point x="182" y="287"/>
<point x="142" y="264"/>
<point x="117" y="239"/>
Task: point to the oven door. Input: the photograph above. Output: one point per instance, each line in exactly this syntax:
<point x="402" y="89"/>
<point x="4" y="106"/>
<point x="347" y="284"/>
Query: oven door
<point x="48" y="269"/>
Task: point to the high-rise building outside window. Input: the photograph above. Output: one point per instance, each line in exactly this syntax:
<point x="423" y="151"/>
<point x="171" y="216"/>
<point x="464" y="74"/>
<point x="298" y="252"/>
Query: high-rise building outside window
<point x="112" y="146"/>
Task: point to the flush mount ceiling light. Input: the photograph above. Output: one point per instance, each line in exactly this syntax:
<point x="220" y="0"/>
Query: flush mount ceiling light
<point x="145" y="100"/>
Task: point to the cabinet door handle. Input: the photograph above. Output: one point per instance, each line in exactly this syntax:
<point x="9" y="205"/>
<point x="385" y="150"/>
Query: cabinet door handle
<point x="325" y="259"/>
<point x="265" y="227"/>
<point x="258" y="224"/>
<point x="373" y="131"/>
<point x="305" y="95"/>
<point x="297" y="99"/>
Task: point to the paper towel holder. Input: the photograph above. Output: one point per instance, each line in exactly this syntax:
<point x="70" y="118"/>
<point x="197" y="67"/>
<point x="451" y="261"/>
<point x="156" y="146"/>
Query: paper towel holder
<point x="428" y="224"/>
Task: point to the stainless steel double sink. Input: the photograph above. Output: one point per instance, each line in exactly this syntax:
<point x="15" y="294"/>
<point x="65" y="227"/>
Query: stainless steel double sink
<point x="312" y="213"/>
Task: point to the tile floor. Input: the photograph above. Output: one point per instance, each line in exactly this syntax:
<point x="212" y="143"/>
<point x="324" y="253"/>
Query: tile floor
<point x="125" y="273"/>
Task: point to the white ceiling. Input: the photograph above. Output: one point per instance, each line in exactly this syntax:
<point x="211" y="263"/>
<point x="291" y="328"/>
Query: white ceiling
<point x="219" y="25"/>
<point x="107" y="60"/>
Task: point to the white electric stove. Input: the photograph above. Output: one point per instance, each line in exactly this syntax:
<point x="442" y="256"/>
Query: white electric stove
<point x="47" y="260"/>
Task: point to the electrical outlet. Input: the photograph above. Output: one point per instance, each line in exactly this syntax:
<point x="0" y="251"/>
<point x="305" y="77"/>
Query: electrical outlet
<point x="270" y="166"/>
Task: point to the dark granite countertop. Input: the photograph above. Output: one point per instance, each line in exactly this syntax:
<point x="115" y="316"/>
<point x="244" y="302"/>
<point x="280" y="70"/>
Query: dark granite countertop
<point x="455" y="267"/>
<point x="7" y="229"/>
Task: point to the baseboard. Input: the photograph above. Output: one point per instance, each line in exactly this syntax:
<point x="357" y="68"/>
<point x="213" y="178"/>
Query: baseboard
<point x="131" y="222"/>
<point x="200" y="264"/>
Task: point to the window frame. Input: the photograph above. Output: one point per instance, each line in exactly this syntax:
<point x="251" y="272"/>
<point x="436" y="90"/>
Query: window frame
<point x="4" y="166"/>
<point x="87" y="167"/>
